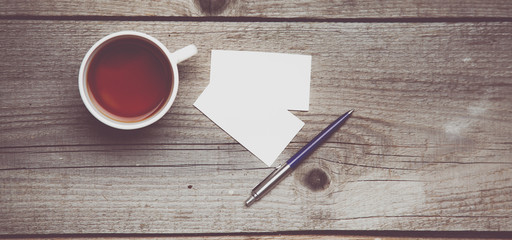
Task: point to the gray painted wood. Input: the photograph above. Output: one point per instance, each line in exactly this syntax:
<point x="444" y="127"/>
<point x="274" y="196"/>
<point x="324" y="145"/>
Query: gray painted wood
<point x="317" y="9"/>
<point x="428" y="147"/>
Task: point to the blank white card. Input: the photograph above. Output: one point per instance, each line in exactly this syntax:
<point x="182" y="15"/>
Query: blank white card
<point x="249" y="96"/>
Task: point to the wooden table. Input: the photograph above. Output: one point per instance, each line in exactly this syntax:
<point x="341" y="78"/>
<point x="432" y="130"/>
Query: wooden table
<point x="429" y="147"/>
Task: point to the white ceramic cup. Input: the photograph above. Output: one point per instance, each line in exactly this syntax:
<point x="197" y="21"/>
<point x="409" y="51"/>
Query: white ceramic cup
<point x="174" y="58"/>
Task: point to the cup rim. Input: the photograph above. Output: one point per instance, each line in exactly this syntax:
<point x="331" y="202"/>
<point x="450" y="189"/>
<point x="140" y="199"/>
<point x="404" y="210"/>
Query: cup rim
<point x="86" y="99"/>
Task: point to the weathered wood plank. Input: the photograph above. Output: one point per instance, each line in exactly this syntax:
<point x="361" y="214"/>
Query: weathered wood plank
<point x="408" y="236"/>
<point x="428" y="147"/>
<point x="321" y="9"/>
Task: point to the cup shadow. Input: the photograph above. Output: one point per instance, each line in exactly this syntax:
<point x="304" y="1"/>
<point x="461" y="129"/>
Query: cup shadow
<point x="104" y="134"/>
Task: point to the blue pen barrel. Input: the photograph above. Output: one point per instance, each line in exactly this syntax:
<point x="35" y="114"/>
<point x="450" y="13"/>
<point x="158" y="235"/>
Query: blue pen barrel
<point x="283" y="170"/>
<point x="305" y="151"/>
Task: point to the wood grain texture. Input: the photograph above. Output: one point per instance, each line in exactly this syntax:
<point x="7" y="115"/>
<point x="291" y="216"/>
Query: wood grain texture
<point x="281" y="236"/>
<point x="317" y="9"/>
<point x="428" y="148"/>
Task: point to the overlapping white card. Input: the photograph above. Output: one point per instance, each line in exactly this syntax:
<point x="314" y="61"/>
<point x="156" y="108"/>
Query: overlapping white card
<point x="249" y="96"/>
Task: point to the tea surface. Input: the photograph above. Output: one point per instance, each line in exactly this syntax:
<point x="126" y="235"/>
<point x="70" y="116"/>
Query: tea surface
<point x="129" y="80"/>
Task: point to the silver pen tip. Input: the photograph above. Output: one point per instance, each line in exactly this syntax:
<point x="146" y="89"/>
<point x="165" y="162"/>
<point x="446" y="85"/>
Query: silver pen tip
<point x="350" y="112"/>
<point x="250" y="201"/>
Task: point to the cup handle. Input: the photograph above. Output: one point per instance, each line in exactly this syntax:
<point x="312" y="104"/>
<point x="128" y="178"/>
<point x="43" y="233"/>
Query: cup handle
<point x="183" y="54"/>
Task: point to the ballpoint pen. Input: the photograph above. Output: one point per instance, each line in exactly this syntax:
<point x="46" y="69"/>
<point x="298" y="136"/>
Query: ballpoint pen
<point x="284" y="169"/>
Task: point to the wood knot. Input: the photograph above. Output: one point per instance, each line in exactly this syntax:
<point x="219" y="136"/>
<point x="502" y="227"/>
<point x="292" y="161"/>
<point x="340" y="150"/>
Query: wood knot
<point x="316" y="180"/>
<point x="212" y="7"/>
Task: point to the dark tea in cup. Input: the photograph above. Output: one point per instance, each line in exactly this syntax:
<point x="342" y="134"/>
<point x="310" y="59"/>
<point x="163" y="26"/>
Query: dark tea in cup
<point x="129" y="80"/>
